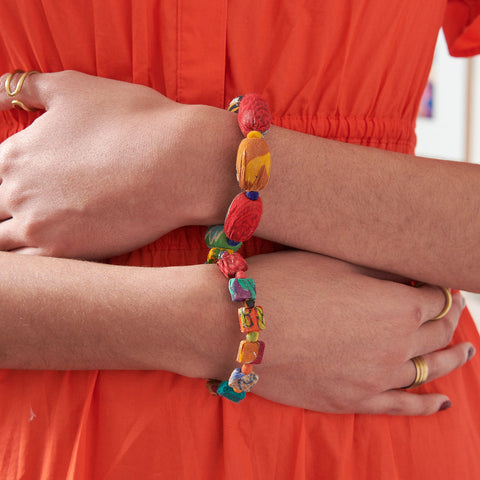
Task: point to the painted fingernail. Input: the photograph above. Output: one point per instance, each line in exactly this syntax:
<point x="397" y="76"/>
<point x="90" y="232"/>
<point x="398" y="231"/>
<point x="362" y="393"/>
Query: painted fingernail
<point x="470" y="353"/>
<point x="445" y="405"/>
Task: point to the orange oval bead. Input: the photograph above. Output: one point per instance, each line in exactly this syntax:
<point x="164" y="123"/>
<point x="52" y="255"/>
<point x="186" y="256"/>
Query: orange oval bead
<point x="253" y="163"/>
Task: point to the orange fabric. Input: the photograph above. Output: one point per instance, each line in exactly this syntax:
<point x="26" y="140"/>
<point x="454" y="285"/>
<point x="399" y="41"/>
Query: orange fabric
<point x="348" y="70"/>
<point x="462" y="27"/>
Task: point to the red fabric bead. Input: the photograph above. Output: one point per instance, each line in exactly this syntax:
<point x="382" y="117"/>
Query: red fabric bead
<point x="254" y="114"/>
<point x="232" y="263"/>
<point x="243" y="218"/>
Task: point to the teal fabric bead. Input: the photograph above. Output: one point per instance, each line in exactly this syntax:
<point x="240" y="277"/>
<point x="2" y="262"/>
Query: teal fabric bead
<point x="242" y="289"/>
<point x="224" y="390"/>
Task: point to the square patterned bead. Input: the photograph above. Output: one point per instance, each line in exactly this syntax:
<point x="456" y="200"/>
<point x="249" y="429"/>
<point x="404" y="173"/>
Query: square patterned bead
<point x="243" y="382"/>
<point x="260" y="352"/>
<point x="242" y="289"/>
<point x="250" y="352"/>
<point x="224" y="390"/>
<point x="251" y="319"/>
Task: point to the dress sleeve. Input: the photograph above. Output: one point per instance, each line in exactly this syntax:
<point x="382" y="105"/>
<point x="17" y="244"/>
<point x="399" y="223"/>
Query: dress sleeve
<point x="461" y="26"/>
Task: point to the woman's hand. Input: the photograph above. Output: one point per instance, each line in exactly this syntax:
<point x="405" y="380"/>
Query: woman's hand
<point x="107" y="168"/>
<point x="340" y="338"/>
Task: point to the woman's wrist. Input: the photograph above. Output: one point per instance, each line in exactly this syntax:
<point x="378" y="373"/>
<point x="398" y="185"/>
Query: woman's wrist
<point x="212" y="140"/>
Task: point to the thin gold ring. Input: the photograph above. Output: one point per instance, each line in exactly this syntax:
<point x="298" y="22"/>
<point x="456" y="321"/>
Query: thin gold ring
<point x="18" y="87"/>
<point x="19" y="84"/>
<point x="421" y="371"/>
<point x="21" y="106"/>
<point x="448" y="303"/>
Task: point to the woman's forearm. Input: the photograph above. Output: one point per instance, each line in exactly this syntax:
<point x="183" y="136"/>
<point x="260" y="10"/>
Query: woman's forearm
<point x="69" y="314"/>
<point x="395" y="212"/>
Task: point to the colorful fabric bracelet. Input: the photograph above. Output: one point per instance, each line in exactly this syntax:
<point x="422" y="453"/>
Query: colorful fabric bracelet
<point x="241" y="221"/>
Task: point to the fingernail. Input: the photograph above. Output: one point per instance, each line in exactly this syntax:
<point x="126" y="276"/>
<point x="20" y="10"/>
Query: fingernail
<point x="446" y="404"/>
<point x="471" y="353"/>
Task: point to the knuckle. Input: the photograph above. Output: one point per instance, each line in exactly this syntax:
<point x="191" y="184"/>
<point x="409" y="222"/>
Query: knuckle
<point x="416" y="316"/>
<point x="9" y="150"/>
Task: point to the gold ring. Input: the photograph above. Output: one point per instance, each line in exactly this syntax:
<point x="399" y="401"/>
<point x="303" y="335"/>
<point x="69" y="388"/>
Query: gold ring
<point x="448" y="303"/>
<point x="17" y="103"/>
<point x="421" y="371"/>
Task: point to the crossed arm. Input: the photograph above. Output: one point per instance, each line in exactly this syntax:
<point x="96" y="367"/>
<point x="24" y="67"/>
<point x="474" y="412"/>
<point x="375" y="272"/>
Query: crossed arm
<point x="111" y="166"/>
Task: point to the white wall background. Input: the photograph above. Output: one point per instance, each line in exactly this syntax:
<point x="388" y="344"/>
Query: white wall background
<point x="445" y="135"/>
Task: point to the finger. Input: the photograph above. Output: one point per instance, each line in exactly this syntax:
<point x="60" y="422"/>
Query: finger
<point x="31" y="93"/>
<point x="431" y="300"/>
<point x="436" y="334"/>
<point x="439" y="363"/>
<point x="400" y="402"/>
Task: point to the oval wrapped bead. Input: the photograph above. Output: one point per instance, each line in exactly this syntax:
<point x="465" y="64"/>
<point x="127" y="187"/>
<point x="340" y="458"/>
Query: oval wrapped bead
<point x="215" y="238"/>
<point x="242" y="218"/>
<point x="253" y="162"/>
<point x="254" y="114"/>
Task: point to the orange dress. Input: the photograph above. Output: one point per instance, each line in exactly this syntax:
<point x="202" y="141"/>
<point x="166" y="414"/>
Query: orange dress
<point x="348" y="70"/>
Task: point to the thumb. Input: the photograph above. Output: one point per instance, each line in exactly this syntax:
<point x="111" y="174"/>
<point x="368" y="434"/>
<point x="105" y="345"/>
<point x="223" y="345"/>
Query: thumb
<point x="23" y="90"/>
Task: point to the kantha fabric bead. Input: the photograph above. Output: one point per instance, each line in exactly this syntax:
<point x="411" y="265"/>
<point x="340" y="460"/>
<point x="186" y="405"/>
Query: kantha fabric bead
<point x="261" y="351"/>
<point x="252" y="195"/>
<point x="249" y="302"/>
<point x="242" y="382"/>
<point x="248" y="351"/>
<point x="253" y="162"/>
<point x="254" y="114"/>
<point x="212" y="386"/>
<point x="226" y="391"/>
<point x="235" y="104"/>
<point x="251" y="319"/>
<point x="251" y="336"/>
<point x="243" y="218"/>
<point x="231" y="263"/>
<point x="214" y="254"/>
<point x="215" y="238"/>
<point x="242" y="289"/>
